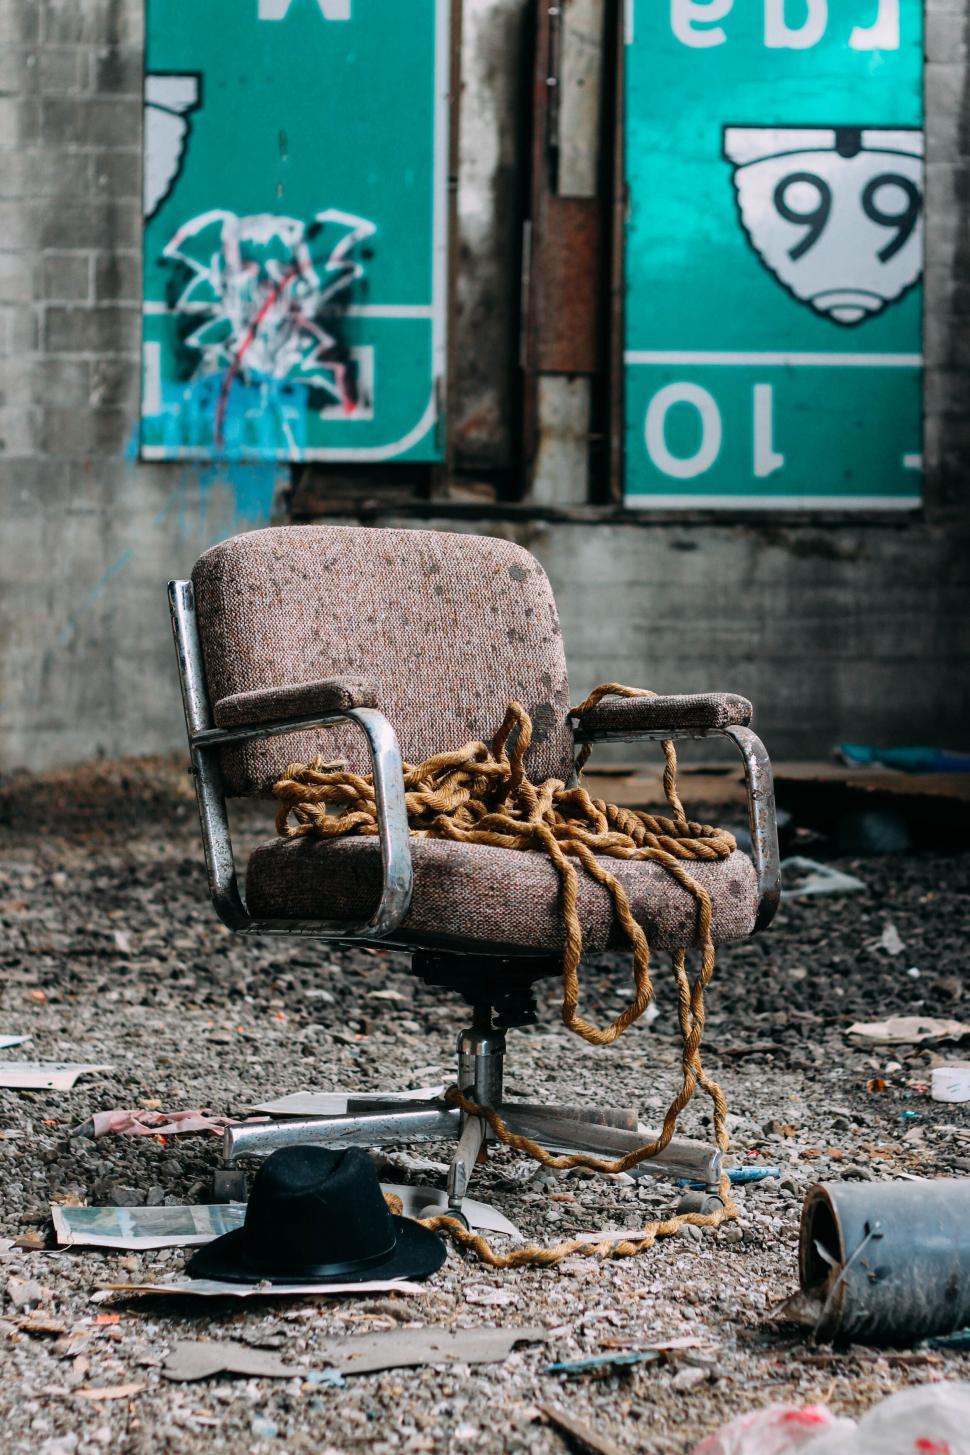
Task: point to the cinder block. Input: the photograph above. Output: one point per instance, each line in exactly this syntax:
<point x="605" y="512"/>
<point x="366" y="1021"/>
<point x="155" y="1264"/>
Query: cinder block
<point x="61" y="70"/>
<point x="34" y="172"/>
<point x="96" y="22"/>
<point x="84" y="431"/>
<point x="94" y="121"/>
<point x="66" y="277"/>
<point x="19" y="329"/>
<point x="19" y="224"/>
<point x="91" y="330"/>
<point x="118" y="70"/>
<point x="19" y="22"/>
<point x="117" y="277"/>
<point x="20" y="120"/>
<point x="18" y="70"/>
<point x="117" y="174"/>
<point x="17" y="277"/>
<point x="20" y="430"/>
<point x="90" y="225"/>
<point x="60" y="382"/>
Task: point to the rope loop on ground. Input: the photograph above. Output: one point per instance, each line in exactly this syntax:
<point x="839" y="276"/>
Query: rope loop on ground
<point x="483" y="795"/>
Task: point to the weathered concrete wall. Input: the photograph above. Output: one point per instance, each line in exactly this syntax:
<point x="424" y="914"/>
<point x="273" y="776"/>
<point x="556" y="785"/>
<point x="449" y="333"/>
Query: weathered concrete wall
<point x="852" y="631"/>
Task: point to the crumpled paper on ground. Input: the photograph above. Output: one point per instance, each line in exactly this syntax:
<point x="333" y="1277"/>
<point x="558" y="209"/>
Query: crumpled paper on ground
<point x="137" y="1122"/>
<point x="930" y="1417"/>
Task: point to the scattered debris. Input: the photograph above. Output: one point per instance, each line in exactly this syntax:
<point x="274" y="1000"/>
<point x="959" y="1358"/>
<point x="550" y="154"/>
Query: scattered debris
<point x="801" y="877"/>
<point x="579" y="1431"/>
<point x="928" y="1417"/>
<point x="913" y="1030"/>
<point x="114" y="1391"/>
<point x="213" y="1288"/>
<point x="140" y="1123"/>
<point x="7" y="1041"/>
<point x="419" y="1200"/>
<point x="134" y="1228"/>
<point x="44" y="1075"/>
<point x="24" y="1292"/>
<point x="202" y="1359"/>
<point x="776" y="1430"/>
<point x="619" y="1359"/>
<point x="737" y="1176"/>
<point x="951" y="1082"/>
<point x="689" y="1378"/>
<point x="405" y="1348"/>
<point x="890" y="940"/>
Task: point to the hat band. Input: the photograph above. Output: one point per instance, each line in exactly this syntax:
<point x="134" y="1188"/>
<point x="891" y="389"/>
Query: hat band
<point x="322" y="1270"/>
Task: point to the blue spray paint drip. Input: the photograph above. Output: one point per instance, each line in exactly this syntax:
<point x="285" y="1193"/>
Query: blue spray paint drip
<point x="70" y="626"/>
<point x="253" y="418"/>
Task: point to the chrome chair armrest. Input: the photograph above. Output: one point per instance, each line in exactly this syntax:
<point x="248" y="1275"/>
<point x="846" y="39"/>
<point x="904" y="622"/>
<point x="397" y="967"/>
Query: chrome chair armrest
<point x="205" y="743"/>
<point x="759" y="783"/>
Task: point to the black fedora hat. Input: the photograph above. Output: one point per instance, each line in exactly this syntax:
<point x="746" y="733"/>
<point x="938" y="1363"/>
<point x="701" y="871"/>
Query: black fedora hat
<point x="319" y="1216"/>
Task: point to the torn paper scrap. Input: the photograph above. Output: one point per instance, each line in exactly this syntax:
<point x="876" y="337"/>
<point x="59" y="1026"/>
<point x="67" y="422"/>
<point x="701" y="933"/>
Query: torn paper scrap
<point x="802" y="876"/>
<point x="197" y="1359"/>
<point x="44" y="1075"/>
<point x="405" y="1348"/>
<point x="137" y="1122"/>
<point x="901" y="1030"/>
<point x="343" y="1103"/>
<point x="212" y="1288"/>
<point x="425" y="1202"/>
<point x="134" y="1228"/>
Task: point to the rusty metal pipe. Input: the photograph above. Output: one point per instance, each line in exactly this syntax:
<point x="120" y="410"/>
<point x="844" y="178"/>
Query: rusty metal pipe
<point x="887" y="1262"/>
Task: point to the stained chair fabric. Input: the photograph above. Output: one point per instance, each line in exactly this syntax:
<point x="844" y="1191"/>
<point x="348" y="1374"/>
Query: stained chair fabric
<point x="486" y="898"/>
<point x="446" y="629"/>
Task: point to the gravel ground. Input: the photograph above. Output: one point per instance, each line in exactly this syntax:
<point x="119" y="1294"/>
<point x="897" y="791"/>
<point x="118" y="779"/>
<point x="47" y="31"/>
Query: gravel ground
<point x="112" y="954"/>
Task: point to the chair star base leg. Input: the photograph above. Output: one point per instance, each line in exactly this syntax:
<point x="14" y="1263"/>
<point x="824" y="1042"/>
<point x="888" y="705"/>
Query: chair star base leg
<point x="607" y="1133"/>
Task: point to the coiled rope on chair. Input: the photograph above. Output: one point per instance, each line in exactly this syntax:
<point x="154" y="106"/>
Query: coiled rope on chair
<point x="482" y="795"/>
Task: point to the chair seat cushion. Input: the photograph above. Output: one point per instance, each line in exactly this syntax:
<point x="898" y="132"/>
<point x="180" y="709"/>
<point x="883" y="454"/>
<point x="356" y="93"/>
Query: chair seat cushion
<point x="493" y="899"/>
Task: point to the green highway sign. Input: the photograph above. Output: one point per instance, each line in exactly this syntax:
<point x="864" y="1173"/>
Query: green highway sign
<point x="296" y="237"/>
<point x="774" y="253"/>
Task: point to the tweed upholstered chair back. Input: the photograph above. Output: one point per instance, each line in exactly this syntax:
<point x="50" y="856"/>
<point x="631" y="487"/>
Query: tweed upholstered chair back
<point x="446" y="628"/>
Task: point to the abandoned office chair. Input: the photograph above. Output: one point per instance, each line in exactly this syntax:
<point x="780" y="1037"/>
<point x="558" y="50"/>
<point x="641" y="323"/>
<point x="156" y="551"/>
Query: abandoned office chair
<point x="359" y="644"/>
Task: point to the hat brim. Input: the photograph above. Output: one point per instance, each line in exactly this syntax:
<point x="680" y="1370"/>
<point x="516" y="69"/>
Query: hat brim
<point x="418" y="1252"/>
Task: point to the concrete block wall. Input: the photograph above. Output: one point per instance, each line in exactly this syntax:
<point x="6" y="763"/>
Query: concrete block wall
<point x="838" y="630"/>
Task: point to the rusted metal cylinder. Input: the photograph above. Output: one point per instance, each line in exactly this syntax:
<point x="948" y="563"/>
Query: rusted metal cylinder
<point x="887" y="1262"/>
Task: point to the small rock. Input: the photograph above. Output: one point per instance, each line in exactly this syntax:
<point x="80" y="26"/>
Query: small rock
<point x="24" y="1292"/>
<point x="689" y="1378"/>
<point x="733" y="1233"/>
<point x="121" y="1195"/>
<point x="155" y="1197"/>
<point x="693" y="1233"/>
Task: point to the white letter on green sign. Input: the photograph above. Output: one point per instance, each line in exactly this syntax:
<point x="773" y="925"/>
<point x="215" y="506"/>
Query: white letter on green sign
<point x="329" y="9"/>
<point x="682" y="467"/>
<point x="687" y="15"/>
<point x="883" y="34"/>
<point x="779" y="35"/>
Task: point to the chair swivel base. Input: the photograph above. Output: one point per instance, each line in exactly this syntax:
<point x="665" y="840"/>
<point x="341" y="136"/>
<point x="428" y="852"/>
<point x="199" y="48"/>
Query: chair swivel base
<point x="481" y="1057"/>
